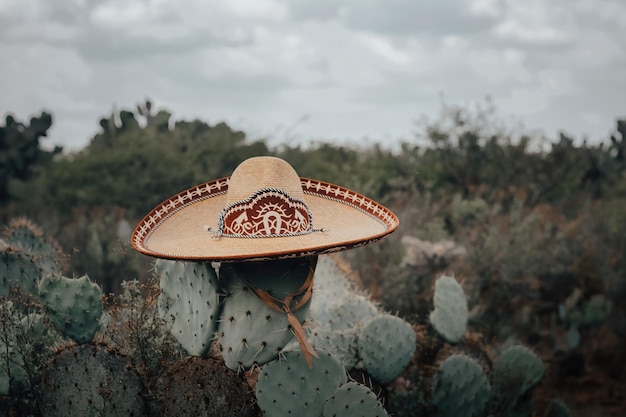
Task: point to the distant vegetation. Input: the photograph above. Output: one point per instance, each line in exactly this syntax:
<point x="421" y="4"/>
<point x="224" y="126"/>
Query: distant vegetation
<point x="141" y="157"/>
<point x="540" y="224"/>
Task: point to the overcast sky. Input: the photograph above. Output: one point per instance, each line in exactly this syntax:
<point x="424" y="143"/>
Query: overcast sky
<point x="315" y="69"/>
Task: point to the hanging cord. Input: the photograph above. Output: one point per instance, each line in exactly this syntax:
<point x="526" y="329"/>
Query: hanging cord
<point x="284" y="306"/>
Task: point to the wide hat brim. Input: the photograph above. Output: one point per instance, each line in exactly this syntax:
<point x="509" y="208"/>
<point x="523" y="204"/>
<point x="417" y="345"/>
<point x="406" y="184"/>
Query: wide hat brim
<point x="177" y="228"/>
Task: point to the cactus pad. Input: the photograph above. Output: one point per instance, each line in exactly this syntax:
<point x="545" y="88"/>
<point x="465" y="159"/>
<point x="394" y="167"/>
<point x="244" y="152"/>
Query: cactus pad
<point x="354" y="400"/>
<point x="341" y="343"/>
<point x="461" y="388"/>
<point x="331" y="288"/>
<point x="449" y="318"/>
<point x="386" y="345"/>
<point x="88" y="380"/>
<point x="73" y="305"/>
<point x="24" y="235"/>
<point x="197" y="387"/>
<point x="18" y="269"/>
<point x="288" y="387"/>
<point x="189" y="302"/>
<point x="355" y="310"/>
<point x="516" y="372"/>
<point x="249" y="331"/>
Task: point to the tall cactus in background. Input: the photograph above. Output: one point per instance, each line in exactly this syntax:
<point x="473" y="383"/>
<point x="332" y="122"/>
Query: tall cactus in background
<point x="20" y="151"/>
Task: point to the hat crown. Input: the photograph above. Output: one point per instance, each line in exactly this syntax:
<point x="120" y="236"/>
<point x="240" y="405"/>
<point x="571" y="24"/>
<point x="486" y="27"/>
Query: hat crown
<point x="263" y="172"/>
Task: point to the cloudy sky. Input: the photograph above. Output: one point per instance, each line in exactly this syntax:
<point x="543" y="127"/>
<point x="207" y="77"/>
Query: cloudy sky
<point x="315" y="69"/>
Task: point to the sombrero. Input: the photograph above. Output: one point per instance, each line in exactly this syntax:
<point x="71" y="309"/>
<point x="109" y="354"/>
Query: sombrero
<point x="263" y="211"/>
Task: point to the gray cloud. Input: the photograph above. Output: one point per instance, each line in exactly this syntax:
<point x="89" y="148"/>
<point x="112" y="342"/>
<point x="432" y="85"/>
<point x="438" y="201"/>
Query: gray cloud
<point x="407" y="17"/>
<point x="357" y="68"/>
<point x="114" y="45"/>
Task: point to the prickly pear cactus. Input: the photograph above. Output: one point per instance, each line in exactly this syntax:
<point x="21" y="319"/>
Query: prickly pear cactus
<point x="189" y="302"/>
<point x="354" y="399"/>
<point x="516" y="372"/>
<point x="249" y="331"/>
<point x="354" y="311"/>
<point x="197" y="387"/>
<point x="88" y="380"/>
<point x="461" y="388"/>
<point x="73" y="305"/>
<point x="449" y="318"/>
<point x="331" y="288"/>
<point x="288" y="387"/>
<point x="18" y="269"/>
<point x="386" y="345"/>
<point x="343" y="344"/>
<point x="24" y="235"/>
<point x="338" y="332"/>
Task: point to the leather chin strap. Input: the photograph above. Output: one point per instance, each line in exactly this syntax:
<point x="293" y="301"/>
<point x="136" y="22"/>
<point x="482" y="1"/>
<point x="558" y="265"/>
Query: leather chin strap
<point x="285" y="306"/>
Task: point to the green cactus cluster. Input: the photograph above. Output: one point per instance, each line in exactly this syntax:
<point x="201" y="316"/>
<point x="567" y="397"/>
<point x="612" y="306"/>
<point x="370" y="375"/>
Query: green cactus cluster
<point x="217" y="340"/>
<point x="355" y="330"/>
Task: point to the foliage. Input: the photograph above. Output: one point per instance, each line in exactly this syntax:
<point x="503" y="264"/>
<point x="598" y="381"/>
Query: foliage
<point x="537" y="220"/>
<point x="21" y="153"/>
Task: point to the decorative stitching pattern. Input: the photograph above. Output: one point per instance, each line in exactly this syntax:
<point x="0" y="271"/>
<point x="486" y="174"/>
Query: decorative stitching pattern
<point x="175" y="203"/>
<point x="344" y="196"/>
<point x="269" y="212"/>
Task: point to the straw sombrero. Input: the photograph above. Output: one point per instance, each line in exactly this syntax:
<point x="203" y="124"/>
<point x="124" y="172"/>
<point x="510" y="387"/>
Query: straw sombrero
<point x="263" y="211"/>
